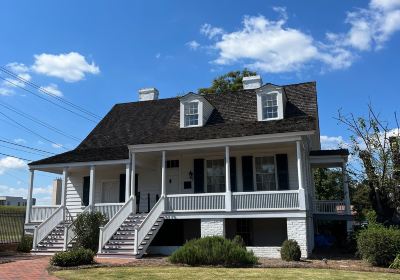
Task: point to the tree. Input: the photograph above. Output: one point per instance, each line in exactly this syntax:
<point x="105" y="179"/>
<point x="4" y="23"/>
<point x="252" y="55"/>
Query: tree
<point x="377" y="148"/>
<point x="231" y="81"/>
<point x="328" y="184"/>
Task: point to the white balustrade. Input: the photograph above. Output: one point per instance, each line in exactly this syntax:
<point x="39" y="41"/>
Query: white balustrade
<point x="148" y="222"/>
<point x="115" y="221"/>
<point x="70" y="230"/>
<point x="41" y="213"/>
<point x="195" y="202"/>
<point x="329" y="207"/>
<point x="108" y="209"/>
<point x="48" y="225"/>
<point x="265" y="200"/>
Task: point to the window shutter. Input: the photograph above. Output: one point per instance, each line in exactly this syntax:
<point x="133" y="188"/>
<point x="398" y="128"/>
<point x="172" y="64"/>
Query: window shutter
<point x="283" y="171"/>
<point x="85" y="190"/>
<point x="198" y="166"/>
<point x="247" y="172"/>
<point x="122" y="184"/>
<point x="232" y="167"/>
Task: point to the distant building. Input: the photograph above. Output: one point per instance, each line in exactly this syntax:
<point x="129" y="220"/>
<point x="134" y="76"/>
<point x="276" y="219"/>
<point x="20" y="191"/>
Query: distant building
<point x="14" y="201"/>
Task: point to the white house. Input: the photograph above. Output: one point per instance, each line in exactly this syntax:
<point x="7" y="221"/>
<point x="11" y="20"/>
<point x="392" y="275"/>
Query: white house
<point x="168" y="170"/>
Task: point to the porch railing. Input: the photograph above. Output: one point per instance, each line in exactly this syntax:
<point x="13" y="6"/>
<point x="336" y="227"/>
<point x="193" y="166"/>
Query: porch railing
<point x="337" y="207"/>
<point x="69" y="230"/>
<point x="108" y="209"/>
<point x="116" y="220"/>
<point x="265" y="200"/>
<point x="195" y="202"/>
<point x="48" y="225"/>
<point x="41" y="213"/>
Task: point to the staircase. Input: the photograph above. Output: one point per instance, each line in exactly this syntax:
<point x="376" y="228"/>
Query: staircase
<point x="53" y="242"/>
<point x="136" y="230"/>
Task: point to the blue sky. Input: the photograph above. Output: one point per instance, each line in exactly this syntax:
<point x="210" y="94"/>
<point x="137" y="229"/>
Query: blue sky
<point x="96" y="54"/>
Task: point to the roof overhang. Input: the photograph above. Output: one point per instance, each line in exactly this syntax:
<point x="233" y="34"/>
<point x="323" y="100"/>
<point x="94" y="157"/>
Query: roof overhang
<point x="213" y="143"/>
<point x="328" y="158"/>
<point x="58" y="167"/>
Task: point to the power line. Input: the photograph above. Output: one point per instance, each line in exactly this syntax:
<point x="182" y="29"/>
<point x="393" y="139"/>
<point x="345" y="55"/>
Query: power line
<point x="9" y="107"/>
<point x="50" y="101"/>
<point x="31" y="131"/>
<point x="20" y="150"/>
<point x="26" y="147"/>
<point x="12" y="175"/>
<point x="40" y="88"/>
<point x="7" y="155"/>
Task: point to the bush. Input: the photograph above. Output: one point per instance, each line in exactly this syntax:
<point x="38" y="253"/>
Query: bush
<point x="25" y="245"/>
<point x="87" y="230"/>
<point x="290" y="251"/>
<point x="75" y="257"/>
<point x="396" y="263"/>
<point x="239" y="241"/>
<point x="213" y="251"/>
<point x="379" y="245"/>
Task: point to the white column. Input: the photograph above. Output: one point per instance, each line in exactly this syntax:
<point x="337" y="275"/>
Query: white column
<point x="92" y="186"/>
<point x="163" y="192"/>
<point x="133" y="181"/>
<point x="127" y="181"/>
<point x="228" y="191"/>
<point x="349" y="224"/>
<point x="302" y="197"/>
<point x="29" y="197"/>
<point x="64" y="190"/>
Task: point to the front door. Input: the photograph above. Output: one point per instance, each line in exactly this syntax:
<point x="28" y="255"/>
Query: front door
<point x="110" y="191"/>
<point x="172" y="177"/>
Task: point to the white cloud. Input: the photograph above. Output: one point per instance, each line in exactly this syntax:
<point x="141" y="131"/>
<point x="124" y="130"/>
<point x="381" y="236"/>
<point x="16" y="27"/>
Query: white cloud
<point x="42" y="194"/>
<point x="22" y="71"/>
<point x="371" y="27"/>
<point x="210" y="31"/>
<point x="53" y="89"/>
<point x="193" y="45"/>
<point x="8" y="163"/>
<point x="57" y="146"/>
<point x="71" y="67"/>
<point x="20" y="141"/>
<point x="158" y="55"/>
<point x="332" y="142"/>
<point x="273" y="47"/>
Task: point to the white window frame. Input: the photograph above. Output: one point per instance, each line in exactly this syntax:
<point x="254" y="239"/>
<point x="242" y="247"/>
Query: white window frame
<point x="279" y="101"/>
<point x="189" y="114"/>
<point x="254" y="171"/>
<point x="199" y="113"/>
<point x="205" y="171"/>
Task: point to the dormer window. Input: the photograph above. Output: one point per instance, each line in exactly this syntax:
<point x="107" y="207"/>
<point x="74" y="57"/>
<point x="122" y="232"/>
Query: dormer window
<point x="194" y="110"/>
<point x="191" y="114"/>
<point x="271" y="103"/>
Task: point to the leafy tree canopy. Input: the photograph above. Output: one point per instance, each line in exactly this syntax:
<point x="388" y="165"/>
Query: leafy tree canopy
<point x="231" y="81"/>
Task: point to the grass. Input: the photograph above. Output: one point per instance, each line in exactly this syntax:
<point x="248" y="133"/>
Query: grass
<point x="197" y="273"/>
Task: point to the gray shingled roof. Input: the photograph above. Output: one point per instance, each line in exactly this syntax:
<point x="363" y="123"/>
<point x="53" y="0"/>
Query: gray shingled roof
<point x="157" y="121"/>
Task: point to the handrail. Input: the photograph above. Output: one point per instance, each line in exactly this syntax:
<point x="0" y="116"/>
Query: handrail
<point x="69" y="233"/>
<point x="115" y="222"/>
<point x="196" y="194"/>
<point x="47" y="226"/>
<point x="143" y="229"/>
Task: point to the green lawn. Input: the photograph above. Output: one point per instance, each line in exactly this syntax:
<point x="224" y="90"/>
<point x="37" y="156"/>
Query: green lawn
<point x="121" y="273"/>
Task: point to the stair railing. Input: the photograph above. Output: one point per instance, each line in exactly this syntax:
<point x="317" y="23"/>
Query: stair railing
<point x="44" y="229"/>
<point x="148" y="222"/>
<point x="115" y="222"/>
<point x="69" y="230"/>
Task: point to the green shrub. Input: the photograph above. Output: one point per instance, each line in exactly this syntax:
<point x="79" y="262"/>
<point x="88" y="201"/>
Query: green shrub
<point x="396" y="263"/>
<point x="87" y="230"/>
<point x="75" y="257"/>
<point x="379" y="245"/>
<point x="25" y="245"/>
<point x="213" y="251"/>
<point x="290" y="251"/>
<point x="239" y="240"/>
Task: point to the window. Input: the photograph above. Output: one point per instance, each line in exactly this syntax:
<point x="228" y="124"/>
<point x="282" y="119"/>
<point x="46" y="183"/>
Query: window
<point x="269" y="103"/>
<point x="265" y="173"/>
<point x="191" y="114"/>
<point x="215" y="175"/>
<point x="172" y="163"/>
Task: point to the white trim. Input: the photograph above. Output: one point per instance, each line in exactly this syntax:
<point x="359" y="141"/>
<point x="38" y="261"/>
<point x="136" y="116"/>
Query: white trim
<point x="241" y="214"/>
<point x="101" y="190"/>
<point x="266" y="192"/>
<point x="77" y="164"/>
<point x="196" y="194"/>
<point x="222" y="142"/>
<point x="280" y="99"/>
